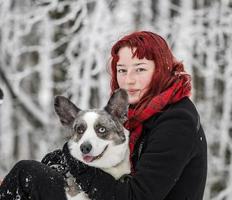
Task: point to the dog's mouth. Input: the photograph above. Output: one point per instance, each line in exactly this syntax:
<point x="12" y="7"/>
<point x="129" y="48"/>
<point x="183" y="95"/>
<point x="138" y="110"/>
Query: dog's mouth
<point x="88" y="158"/>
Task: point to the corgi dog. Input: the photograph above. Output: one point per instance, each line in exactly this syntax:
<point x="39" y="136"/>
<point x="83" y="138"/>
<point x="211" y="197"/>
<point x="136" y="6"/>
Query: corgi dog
<point x="98" y="137"/>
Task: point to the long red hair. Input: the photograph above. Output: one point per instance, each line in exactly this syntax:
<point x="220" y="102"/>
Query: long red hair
<point x="152" y="47"/>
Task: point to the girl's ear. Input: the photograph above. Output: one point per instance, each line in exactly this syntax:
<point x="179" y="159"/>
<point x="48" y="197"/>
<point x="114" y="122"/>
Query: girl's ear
<point x="118" y="105"/>
<point x="66" y="110"/>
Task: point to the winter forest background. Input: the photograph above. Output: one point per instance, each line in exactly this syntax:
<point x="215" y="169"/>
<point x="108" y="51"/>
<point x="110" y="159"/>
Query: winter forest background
<point x="50" y="47"/>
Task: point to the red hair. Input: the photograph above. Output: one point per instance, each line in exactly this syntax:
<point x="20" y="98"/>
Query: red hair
<point x="152" y="47"/>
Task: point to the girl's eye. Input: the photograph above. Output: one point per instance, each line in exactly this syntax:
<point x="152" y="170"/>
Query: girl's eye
<point x="140" y="69"/>
<point x="101" y="129"/>
<point x="121" y="70"/>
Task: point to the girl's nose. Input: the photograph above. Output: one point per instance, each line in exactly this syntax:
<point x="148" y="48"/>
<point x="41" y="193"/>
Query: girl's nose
<point x="130" y="78"/>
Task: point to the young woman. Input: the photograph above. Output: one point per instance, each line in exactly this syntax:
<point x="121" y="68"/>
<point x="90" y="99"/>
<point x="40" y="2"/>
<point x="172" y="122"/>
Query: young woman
<point x="167" y="142"/>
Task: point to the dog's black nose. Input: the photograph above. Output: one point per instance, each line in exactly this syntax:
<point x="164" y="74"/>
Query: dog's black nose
<point x="86" y="147"/>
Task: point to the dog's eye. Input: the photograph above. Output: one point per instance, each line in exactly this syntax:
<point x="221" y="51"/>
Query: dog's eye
<point x="79" y="129"/>
<point x="101" y="129"/>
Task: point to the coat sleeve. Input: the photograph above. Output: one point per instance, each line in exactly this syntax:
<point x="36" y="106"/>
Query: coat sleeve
<point x="167" y="152"/>
<point x="56" y="160"/>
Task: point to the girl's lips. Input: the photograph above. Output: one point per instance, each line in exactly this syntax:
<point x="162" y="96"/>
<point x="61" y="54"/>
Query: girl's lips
<point x="132" y="91"/>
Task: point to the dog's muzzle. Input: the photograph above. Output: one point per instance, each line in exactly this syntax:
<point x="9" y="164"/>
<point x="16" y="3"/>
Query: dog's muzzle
<point x="88" y="158"/>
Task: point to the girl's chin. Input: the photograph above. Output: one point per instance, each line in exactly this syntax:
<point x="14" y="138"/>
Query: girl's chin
<point x="133" y="100"/>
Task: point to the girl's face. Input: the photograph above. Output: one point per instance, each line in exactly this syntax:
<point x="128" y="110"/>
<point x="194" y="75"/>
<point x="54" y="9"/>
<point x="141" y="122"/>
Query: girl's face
<point x="133" y="74"/>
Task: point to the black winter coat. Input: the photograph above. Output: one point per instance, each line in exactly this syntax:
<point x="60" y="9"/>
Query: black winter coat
<point x="170" y="161"/>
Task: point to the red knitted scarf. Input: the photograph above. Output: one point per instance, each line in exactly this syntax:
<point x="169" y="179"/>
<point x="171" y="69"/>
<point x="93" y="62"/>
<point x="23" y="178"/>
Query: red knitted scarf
<point x="180" y="89"/>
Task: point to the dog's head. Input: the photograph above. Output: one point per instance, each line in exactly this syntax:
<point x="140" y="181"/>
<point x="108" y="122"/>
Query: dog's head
<point x="98" y="137"/>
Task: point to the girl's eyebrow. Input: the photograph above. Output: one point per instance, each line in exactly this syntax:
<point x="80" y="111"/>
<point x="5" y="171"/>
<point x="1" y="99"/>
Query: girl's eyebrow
<point x="120" y="65"/>
<point x="135" y="64"/>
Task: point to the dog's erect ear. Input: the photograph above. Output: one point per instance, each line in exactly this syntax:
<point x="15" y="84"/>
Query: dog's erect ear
<point x="66" y="110"/>
<point x="1" y="96"/>
<point x="118" y="105"/>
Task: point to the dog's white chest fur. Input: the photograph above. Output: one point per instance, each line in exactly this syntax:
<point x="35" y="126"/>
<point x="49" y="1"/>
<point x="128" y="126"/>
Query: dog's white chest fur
<point x="80" y="196"/>
<point x="120" y="169"/>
